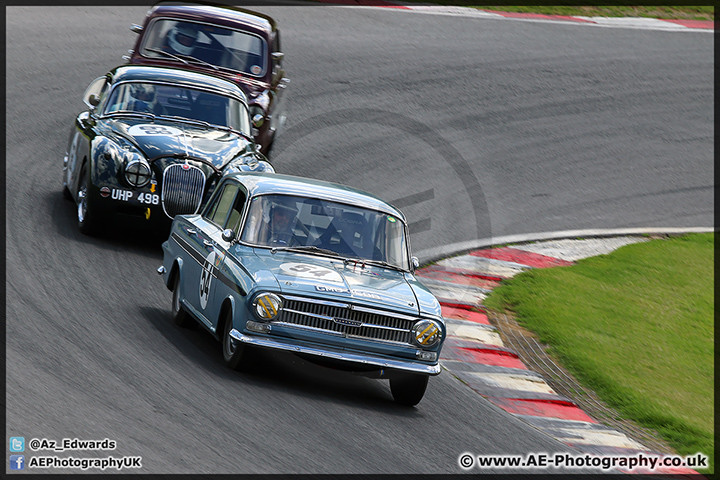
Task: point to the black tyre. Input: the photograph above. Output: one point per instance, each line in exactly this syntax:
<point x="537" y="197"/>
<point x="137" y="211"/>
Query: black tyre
<point x="180" y="317"/>
<point x="233" y="351"/>
<point x="408" y="388"/>
<point x="66" y="193"/>
<point x="87" y="221"/>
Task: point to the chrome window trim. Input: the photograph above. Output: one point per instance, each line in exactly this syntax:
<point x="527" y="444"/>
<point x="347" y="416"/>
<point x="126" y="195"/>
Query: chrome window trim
<point x="192" y="86"/>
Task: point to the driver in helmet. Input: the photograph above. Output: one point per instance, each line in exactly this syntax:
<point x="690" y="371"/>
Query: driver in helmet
<point x="181" y="38"/>
<point x="283" y="213"/>
<point x="143" y="97"/>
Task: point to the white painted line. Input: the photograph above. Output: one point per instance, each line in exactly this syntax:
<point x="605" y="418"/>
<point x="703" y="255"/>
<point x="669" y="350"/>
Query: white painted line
<point x="595" y="437"/>
<point x="444" y="251"/>
<point x="572" y="250"/>
<point x="458" y="294"/>
<point x="471" y="332"/>
<point x="634" y="22"/>
<point x="514" y="382"/>
<point x="484" y="266"/>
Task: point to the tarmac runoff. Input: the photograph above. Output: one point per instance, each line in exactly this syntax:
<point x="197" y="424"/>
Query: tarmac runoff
<point x="462" y="275"/>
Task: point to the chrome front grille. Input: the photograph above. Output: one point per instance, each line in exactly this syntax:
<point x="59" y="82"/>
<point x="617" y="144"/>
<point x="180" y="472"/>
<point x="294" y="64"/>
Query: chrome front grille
<point x="338" y="319"/>
<point x="182" y="189"/>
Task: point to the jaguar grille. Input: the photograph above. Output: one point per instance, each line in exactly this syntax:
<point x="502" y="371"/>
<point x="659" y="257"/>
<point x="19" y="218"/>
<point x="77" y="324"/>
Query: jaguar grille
<point x="182" y="189"/>
<point x="338" y="319"/>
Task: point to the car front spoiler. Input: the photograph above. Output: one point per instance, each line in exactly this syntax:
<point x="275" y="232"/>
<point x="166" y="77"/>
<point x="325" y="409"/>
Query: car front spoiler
<point x="363" y="359"/>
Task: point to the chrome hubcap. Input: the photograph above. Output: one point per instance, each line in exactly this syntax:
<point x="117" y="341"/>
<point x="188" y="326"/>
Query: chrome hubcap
<point x="229" y="345"/>
<point x="82" y="203"/>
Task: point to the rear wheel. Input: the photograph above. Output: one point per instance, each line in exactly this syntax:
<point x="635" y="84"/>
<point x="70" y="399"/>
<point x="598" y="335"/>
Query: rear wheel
<point x="179" y="315"/>
<point x="87" y="223"/>
<point x="408" y="388"/>
<point x="233" y="351"/>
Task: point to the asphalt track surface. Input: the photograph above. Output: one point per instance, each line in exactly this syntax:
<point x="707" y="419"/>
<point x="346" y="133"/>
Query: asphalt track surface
<point x="475" y="127"/>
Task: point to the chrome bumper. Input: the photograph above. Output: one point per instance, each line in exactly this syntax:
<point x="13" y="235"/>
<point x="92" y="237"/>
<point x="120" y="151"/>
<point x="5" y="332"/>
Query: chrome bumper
<point x="366" y="359"/>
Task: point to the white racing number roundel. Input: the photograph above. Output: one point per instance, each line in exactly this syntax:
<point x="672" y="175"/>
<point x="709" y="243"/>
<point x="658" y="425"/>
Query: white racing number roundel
<point x="304" y="270"/>
<point x="149" y="129"/>
<point x="206" y="278"/>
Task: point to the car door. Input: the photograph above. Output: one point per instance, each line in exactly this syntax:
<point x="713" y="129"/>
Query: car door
<point x="225" y="212"/>
<point x="205" y="244"/>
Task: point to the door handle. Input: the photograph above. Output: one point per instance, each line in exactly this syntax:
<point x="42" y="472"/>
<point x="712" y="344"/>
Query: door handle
<point x="208" y="243"/>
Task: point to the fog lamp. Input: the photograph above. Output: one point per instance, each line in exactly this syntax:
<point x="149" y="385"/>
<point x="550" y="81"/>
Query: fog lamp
<point x="257" y="327"/>
<point x="426" y="356"/>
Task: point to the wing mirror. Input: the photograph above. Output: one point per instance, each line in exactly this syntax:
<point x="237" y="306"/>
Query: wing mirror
<point x="228" y="235"/>
<point x="94" y="100"/>
<point x="136" y="28"/>
<point x="415" y="263"/>
<point x="278" y="56"/>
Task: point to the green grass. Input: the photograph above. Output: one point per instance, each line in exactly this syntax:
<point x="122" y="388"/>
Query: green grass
<point x="665" y="12"/>
<point x="637" y="327"/>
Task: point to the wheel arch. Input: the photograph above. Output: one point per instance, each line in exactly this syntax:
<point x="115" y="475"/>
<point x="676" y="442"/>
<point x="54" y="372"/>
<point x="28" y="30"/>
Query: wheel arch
<point x="175" y="271"/>
<point x="228" y="306"/>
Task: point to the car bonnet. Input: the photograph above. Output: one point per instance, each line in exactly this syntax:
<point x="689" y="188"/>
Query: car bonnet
<point x="155" y="139"/>
<point x="334" y="279"/>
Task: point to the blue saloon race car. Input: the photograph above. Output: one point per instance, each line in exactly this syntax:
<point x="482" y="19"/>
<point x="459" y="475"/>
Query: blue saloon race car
<point x="310" y="267"/>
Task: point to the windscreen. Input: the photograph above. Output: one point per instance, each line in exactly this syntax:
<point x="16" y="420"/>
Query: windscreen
<point x="201" y="44"/>
<point x="350" y="231"/>
<point x="175" y="100"/>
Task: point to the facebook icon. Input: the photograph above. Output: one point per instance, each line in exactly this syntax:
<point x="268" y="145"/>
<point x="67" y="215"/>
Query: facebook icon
<point x="17" y="462"/>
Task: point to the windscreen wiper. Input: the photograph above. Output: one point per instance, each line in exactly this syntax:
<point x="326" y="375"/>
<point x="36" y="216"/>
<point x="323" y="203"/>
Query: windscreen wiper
<point x="381" y="263"/>
<point x="196" y="60"/>
<point x="168" y="54"/>
<point x="305" y="248"/>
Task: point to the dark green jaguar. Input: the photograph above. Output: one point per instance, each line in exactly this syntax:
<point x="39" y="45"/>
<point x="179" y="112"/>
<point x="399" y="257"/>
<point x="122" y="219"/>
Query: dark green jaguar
<point x="154" y="144"/>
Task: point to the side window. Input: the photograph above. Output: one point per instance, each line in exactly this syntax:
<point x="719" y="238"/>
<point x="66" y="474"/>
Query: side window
<point x="233" y="222"/>
<point x="219" y="212"/>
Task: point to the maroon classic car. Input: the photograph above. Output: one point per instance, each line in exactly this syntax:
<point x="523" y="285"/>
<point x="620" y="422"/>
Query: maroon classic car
<point x="233" y="43"/>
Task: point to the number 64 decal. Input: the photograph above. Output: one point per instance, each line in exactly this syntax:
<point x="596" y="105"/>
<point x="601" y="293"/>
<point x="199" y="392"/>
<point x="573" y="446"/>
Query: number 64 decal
<point x="206" y="279"/>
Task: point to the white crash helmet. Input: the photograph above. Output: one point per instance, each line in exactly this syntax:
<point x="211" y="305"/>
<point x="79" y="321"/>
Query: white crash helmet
<point x="182" y="38"/>
<point x="143" y="92"/>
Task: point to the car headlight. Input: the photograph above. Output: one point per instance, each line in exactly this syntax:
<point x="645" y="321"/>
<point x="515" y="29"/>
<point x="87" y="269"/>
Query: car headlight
<point x="267" y="306"/>
<point x="257" y="116"/>
<point x="138" y="173"/>
<point x="427" y="333"/>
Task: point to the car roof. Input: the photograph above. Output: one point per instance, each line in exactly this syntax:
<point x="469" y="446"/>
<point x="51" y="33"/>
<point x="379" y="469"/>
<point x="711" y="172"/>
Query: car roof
<point x="259" y="183"/>
<point x="178" y="76"/>
<point x="224" y="15"/>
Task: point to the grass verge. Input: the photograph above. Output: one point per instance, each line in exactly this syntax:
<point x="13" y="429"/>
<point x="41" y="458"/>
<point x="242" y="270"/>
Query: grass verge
<point x="637" y="327"/>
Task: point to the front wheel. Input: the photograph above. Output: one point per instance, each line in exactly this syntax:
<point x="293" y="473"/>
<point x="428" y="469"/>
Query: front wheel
<point x="87" y="223"/>
<point x="408" y="388"/>
<point x="179" y="315"/>
<point x="233" y="351"/>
